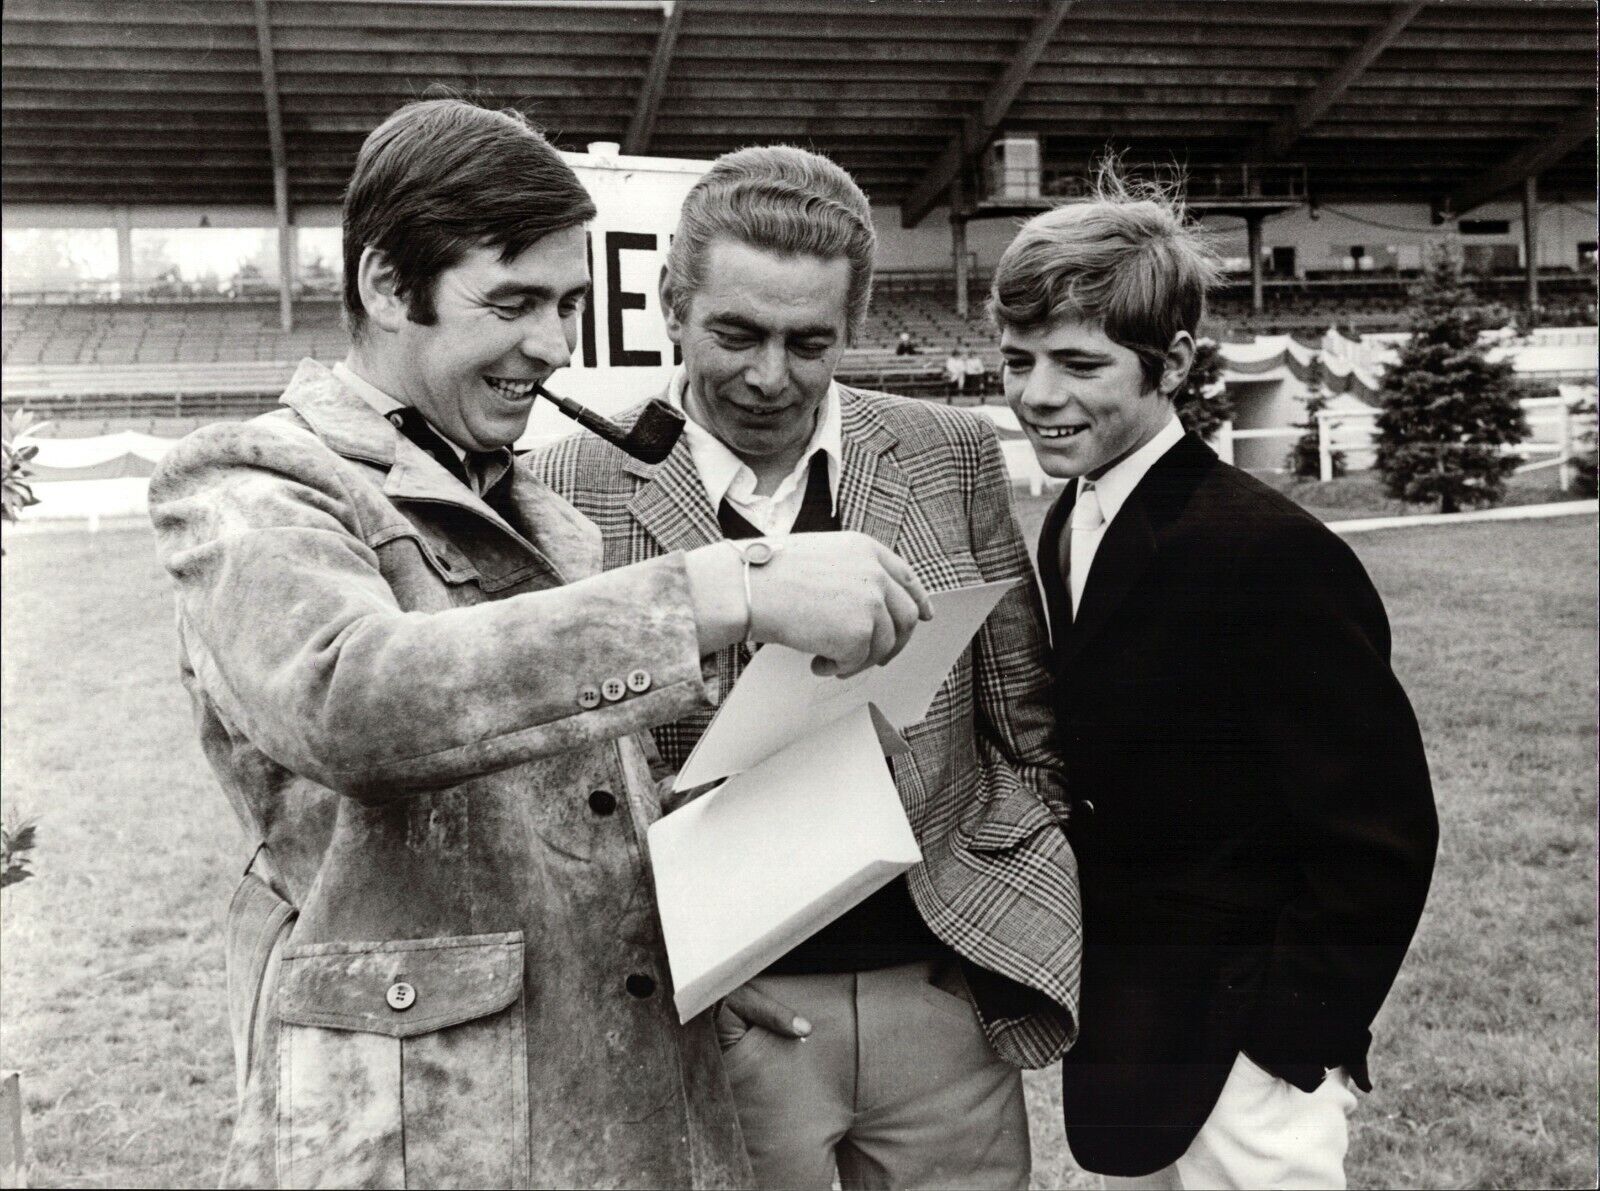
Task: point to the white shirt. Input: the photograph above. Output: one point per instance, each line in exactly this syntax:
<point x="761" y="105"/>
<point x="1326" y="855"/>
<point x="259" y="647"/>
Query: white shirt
<point x="1113" y="489"/>
<point x="725" y="475"/>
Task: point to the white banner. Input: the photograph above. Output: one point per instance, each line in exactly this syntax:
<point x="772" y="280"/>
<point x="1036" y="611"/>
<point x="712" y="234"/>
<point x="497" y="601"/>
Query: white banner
<point x="623" y="354"/>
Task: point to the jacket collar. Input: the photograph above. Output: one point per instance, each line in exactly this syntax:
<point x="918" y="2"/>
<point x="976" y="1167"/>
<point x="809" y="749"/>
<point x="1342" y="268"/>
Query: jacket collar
<point x="353" y="429"/>
<point x="672" y="505"/>
<point x="1132" y="540"/>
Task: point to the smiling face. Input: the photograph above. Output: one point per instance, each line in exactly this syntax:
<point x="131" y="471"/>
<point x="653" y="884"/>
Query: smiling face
<point x="760" y="341"/>
<point x="1083" y="399"/>
<point x="501" y="328"/>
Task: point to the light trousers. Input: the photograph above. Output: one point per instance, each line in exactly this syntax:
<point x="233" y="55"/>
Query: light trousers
<point x="1263" y="1133"/>
<point x="895" y="1087"/>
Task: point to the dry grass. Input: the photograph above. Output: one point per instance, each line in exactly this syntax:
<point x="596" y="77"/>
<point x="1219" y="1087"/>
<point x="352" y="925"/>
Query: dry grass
<point x="111" y="971"/>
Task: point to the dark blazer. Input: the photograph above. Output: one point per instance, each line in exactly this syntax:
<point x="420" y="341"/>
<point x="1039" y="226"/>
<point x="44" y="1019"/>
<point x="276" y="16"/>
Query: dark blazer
<point x="1253" y="818"/>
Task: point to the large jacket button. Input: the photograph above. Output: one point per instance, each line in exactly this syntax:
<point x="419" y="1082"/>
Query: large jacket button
<point x="602" y="802"/>
<point x="640" y="985"/>
<point x="401" y="996"/>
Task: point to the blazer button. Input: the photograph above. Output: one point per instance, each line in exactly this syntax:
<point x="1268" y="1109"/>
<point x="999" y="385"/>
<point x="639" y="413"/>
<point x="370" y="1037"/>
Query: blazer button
<point x="401" y="996"/>
<point x="588" y="697"/>
<point x="639" y="681"/>
<point x="613" y="689"/>
<point x="602" y="802"/>
<point x="640" y="985"/>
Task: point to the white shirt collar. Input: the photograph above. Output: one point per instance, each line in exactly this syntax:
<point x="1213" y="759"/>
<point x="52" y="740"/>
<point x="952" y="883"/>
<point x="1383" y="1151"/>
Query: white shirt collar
<point x="1119" y="481"/>
<point x="381" y="401"/>
<point x="724" y="474"/>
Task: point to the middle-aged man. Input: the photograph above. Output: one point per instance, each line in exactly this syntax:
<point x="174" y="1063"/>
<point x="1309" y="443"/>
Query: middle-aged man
<point x="899" y="1082"/>
<point x="1252" y="809"/>
<point x="417" y="690"/>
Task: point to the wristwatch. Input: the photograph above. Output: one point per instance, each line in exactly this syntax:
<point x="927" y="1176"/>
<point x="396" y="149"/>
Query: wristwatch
<point x="753" y="552"/>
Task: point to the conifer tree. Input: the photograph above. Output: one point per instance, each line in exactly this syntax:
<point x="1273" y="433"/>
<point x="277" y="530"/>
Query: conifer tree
<point x="1204" y="403"/>
<point x="1448" y="410"/>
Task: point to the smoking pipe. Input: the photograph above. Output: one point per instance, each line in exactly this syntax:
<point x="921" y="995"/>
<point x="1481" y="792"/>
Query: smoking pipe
<point x="649" y="440"/>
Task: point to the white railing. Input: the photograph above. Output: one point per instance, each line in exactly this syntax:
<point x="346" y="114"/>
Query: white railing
<point x="1566" y="414"/>
<point x="1222" y="442"/>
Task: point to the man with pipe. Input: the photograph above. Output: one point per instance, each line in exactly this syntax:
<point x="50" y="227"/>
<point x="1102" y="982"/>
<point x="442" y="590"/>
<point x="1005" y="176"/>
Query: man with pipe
<point x="919" y="1006"/>
<point x="420" y="695"/>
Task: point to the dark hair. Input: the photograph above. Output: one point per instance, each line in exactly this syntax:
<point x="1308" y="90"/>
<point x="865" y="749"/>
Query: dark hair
<point x="442" y="176"/>
<point x="780" y="199"/>
<point x="1125" y="259"/>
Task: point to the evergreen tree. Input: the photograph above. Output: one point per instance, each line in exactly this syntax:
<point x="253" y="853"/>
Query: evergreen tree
<point x="1305" y="457"/>
<point x="1585" y="457"/>
<point x="1204" y="403"/>
<point x="1447" y="409"/>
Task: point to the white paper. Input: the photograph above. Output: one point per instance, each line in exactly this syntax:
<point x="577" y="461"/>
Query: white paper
<point x="778" y="700"/>
<point x="745" y="873"/>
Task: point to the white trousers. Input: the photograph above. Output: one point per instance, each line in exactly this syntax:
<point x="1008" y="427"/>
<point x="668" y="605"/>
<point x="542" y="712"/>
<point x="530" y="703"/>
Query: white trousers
<point x="1263" y="1133"/>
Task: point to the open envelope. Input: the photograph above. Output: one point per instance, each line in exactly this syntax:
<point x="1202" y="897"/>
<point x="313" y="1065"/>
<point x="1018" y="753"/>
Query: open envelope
<point x="778" y="700"/>
<point x="809" y="823"/>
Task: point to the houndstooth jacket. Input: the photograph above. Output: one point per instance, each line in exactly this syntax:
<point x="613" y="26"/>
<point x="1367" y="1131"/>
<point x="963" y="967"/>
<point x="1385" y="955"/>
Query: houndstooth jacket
<point x="982" y="784"/>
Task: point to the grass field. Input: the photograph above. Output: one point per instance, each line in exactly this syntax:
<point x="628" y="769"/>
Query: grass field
<point x="111" y="981"/>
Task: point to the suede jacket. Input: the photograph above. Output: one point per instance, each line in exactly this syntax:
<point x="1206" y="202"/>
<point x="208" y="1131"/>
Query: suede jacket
<point x="444" y="961"/>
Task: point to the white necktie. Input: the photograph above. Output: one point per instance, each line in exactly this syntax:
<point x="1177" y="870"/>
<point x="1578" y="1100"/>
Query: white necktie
<point x="1087" y="522"/>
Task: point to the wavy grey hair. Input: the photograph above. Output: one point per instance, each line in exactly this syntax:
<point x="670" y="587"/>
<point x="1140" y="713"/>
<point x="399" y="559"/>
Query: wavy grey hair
<point x="780" y="199"/>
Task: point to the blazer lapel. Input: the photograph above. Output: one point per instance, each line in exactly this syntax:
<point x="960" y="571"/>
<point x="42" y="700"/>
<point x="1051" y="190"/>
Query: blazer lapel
<point x="1051" y="576"/>
<point x="1131" y="540"/>
<point x="672" y="504"/>
<point x="873" y="491"/>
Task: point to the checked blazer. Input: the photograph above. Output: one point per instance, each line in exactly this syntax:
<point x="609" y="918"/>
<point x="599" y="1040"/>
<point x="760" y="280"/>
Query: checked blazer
<point x="982" y="783"/>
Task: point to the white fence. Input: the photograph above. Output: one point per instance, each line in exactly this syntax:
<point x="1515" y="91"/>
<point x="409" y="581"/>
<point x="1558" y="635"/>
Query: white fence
<point x="1568" y="414"/>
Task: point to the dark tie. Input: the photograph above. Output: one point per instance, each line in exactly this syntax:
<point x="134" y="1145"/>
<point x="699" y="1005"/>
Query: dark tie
<point x="477" y="463"/>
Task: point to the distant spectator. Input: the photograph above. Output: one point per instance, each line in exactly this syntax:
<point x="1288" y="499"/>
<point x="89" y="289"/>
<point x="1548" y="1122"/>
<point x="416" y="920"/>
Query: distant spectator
<point x="972" y="372"/>
<point x="955" y="368"/>
<point x="904" y="347"/>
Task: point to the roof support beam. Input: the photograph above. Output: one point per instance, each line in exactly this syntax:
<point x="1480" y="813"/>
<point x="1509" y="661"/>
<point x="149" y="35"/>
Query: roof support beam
<point x="1309" y="110"/>
<point x="655" y="82"/>
<point x="1530" y="161"/>
<point x="280" y="166"/>
<point x="977" y="130"/>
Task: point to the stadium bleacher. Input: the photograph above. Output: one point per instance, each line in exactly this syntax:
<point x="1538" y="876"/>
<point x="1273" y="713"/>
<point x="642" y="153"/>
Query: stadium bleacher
<point x="128" y="363"/>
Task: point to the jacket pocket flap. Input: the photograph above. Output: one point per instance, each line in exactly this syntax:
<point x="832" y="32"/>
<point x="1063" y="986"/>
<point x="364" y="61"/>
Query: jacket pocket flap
<point x="1008" y="820"/>
<point x="442" y="556"/>
<point x="402" y="988"/>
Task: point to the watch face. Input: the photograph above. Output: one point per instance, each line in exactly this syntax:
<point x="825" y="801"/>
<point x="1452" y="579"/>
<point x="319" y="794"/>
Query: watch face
<point x="758" y="553"/>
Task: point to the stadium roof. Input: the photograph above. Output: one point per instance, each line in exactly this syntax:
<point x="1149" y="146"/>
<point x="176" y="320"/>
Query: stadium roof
<point x="194" y="101"/>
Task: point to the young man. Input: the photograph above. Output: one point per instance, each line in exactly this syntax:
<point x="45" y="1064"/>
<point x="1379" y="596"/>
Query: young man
<point x="1252" y="810"/>
<point x="919" y="1005"/>
<point x="419" y="695"/>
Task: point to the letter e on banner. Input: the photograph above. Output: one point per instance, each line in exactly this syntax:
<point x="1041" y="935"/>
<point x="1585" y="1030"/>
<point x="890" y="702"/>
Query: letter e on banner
<point x="623" y="356"/>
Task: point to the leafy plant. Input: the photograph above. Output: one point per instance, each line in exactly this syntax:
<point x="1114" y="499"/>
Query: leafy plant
<point x="1585" y="456"/>
<point x="1305" y="457"/>
<point x="17" y="492"/>
<point x="16" y="841"/>
<point x="1448" y="409"/>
